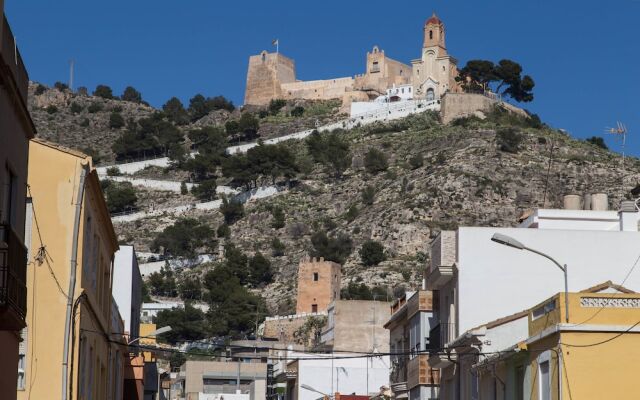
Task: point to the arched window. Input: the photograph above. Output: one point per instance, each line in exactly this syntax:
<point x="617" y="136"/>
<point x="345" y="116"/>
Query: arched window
<point x="431" y="95"/>
<point x="430" y="34"/>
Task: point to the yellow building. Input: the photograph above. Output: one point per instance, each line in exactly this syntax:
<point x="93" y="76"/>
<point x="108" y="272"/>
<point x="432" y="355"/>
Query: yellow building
<point x="595" y="355"/>
<point x="70" y="352"/>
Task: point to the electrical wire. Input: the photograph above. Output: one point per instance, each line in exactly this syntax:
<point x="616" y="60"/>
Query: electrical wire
<point x="604" y="341"/>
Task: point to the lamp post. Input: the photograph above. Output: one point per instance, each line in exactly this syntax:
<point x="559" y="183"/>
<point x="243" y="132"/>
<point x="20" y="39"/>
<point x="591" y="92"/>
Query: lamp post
<point x="157" y="332"/>
<point x="511" y="242"/>
<point x="305" y="386"/>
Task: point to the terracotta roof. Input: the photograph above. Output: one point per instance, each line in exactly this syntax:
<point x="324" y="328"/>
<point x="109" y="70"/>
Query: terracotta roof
<point x="433" y="20"/>
<point x="606" y="285"/>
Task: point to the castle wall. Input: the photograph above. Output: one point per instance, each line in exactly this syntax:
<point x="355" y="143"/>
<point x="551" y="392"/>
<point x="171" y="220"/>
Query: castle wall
<point x="458" y="105"/>
<point x="318" y="284"/>
<point x="317" y="90"/>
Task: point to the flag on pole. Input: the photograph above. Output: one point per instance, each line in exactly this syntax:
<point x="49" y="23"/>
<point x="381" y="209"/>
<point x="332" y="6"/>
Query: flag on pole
<point x="276" y="42"/>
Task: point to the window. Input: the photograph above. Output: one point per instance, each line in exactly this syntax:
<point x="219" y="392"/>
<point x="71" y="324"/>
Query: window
<point x="314" y="308"/>
<point x="21" y="371"/>
<point x="545" y="382"/>
<point x="430" y="34"/>
<point x="375" y="67"/>
<point x="315" y="277"/>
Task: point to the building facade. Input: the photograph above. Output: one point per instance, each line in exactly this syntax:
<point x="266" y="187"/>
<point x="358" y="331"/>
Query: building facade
<point x="127" y="289"/>
<point x="356" y="325"/>
<point x="16" y="128"/>
<point x="273" y="76"/>
<point x="204" y="380"/>
<point x="411" y="320"/>
<point x="72" y="243"/>
<point x="538" y="354"/>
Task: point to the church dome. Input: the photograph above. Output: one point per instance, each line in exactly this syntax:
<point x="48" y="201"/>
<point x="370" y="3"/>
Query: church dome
<point x="434" y="20"/>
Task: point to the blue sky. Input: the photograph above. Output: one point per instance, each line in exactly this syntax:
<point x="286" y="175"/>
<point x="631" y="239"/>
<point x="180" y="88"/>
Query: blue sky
<point x="583" y="55"/>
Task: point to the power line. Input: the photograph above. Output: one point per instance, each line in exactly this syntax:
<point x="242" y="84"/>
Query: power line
<point x="604" y="341"/>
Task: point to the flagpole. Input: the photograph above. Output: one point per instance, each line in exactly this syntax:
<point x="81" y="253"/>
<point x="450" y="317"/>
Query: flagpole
<point x="278" y="46"/>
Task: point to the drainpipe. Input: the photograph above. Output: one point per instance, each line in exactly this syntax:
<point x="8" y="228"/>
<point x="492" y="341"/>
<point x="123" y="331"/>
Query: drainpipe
<point x="72" y="280"/>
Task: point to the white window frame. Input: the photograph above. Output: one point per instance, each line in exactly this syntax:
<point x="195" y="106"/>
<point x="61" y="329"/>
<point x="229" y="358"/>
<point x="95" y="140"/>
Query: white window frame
<point x="545" y="357"/>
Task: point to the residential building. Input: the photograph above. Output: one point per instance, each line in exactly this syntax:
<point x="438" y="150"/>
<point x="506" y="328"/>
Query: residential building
<point x="127" y="289"/>
<point x="357" y="326"/>
<point x="16" y="128"/>
<point x="297" y="371"/>
<point x="318" y="285"/>
<point x="594" y="244"/>
<point x="409" y="326"/>
<point x="539" y="354"/>
<point x="151" y="372"/>
<point x="117" y="355"/>
<point x="72" y="244"/>
<point x="205" y="380"/>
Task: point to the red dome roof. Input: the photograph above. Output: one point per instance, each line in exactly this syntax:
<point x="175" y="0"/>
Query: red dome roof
<point x="434" y="20"/>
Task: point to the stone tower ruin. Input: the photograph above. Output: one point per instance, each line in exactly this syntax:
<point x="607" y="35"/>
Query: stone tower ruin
<point x="318" y="285"/>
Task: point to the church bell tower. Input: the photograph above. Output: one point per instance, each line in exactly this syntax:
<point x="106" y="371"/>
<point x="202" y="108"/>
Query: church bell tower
<point x="434" y="35"/>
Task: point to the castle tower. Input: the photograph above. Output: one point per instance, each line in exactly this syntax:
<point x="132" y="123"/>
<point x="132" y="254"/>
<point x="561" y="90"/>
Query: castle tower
<point x="434" y="35"/>
<point x="266" y="73"/>
<point x="318" y="285"/>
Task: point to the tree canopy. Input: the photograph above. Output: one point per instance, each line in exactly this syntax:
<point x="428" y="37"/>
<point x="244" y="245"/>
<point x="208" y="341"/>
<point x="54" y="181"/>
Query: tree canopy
<point x="505" y="78"/>
<point x="330" y="150"/>
<point x="184" y="238"/>
<point x="132" y="95"/>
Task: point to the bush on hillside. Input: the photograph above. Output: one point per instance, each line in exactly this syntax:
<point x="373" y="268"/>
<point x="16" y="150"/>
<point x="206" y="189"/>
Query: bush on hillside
<point x="175" y="111"/>
<point x="275" y="105"/>
<point x="278" y="218"/>
<point x="375" y="161"/>
<point x="598" y="142"/>
<point x="94" y="108"/>
<point x="40" y="89"/>
<point x="416" y="161"/>
<point x="103" y="91"/>
<point x="231" y="210"/>
<point x="205" y="190"/>
<point x="132" y="95"/>
<point x="61" y="86"/>
<point x="76" y="108"/>
<point x="187" y="324"/>
<point x="297" y="111"/>
<point x="509" y="139"/>
<point x="372" y="253"/>
<point x="120" y="196"/>
<point x="353" y="291"/>
<point x="52" y="109"/>
<point x="116" y="121"/>
<point x="368" y="195"/>
<point x="330" y="150"/>
<point x="277" y="247"/>
<point x="332" y="248"/>
<point x="185" y="238"/>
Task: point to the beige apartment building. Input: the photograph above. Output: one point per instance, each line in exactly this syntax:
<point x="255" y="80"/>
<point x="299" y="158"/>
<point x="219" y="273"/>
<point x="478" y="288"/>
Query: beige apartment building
<point x="16" y="128"/>
<point x="70" y="349"/>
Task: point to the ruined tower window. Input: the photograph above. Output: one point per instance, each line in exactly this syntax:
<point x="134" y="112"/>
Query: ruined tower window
<point x="375" y="67"/>
<point x="315" y="277"/>
<point x="430" y="34"/>
<point x="314" y="308"/>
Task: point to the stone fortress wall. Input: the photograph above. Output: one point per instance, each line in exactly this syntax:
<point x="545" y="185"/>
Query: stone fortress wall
<point x="273" y="76"/>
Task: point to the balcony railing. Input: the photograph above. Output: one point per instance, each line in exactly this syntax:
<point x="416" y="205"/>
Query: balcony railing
<point x="13" y="277"/>
<point x="440" y="335"/>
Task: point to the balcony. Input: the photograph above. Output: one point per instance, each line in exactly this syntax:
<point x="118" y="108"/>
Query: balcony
<point x="443" y="260"/>
<point x="419" y="372"/>
<point x="439" y="336"/>
<point x="13" y="277"/>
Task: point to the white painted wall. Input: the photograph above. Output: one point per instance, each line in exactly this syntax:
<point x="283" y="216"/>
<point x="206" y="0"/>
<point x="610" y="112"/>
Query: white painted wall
<point x="503" y="336"/>
<point x="349" y="375"/>
<point x="127" y="284"/>
<point x="495" y="281"/>
<point x="577" y="219"/>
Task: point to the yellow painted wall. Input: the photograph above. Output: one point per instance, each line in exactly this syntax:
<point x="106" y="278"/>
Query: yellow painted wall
<point x="145" y="330"/>
<point x="54" y="180"/>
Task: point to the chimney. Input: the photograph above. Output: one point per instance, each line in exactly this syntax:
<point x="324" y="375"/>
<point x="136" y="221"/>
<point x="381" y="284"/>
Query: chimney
<point x="628" y="216"/>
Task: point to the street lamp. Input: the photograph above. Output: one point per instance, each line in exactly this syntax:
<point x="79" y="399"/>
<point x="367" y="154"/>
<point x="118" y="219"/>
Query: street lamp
<point x="305" y="386"/>
<point x="511" y="242"/>
<point x="157" y="332"/>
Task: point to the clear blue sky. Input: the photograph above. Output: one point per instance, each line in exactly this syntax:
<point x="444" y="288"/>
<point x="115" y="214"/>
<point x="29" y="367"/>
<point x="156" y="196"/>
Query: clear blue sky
<point x="583" y="55"/>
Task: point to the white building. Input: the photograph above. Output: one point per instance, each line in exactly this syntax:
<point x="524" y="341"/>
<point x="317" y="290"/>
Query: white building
<point x="127" y="288"/>
<point x="478" y="280"/>
<point x="310" y="375"/>
<point x="150" y="310"/>
<point x="400" y="93"/>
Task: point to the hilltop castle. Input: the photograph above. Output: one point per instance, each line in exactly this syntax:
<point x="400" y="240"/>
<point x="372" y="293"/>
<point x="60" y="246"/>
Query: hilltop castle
<point x="273" y="76"/>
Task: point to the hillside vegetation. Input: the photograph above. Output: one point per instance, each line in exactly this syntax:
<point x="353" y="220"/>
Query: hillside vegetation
<point x="371" y="197"/>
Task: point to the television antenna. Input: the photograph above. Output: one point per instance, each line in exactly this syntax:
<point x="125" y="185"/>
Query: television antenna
<point x="620" y="131"/>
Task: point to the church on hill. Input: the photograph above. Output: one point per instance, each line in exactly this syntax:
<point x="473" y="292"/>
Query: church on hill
<point x="273" y="75"/>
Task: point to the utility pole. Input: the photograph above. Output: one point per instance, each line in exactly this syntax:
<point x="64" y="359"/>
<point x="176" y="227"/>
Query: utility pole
<point x="71" y="64"/>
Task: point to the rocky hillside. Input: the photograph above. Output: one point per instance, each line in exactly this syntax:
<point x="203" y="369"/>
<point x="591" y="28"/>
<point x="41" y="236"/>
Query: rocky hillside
<point x="476" y="171"/>
<point x="82" y="121"/>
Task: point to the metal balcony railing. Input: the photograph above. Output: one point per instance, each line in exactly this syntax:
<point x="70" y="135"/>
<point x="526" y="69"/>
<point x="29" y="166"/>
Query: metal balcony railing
<point x="13" y="277"/>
